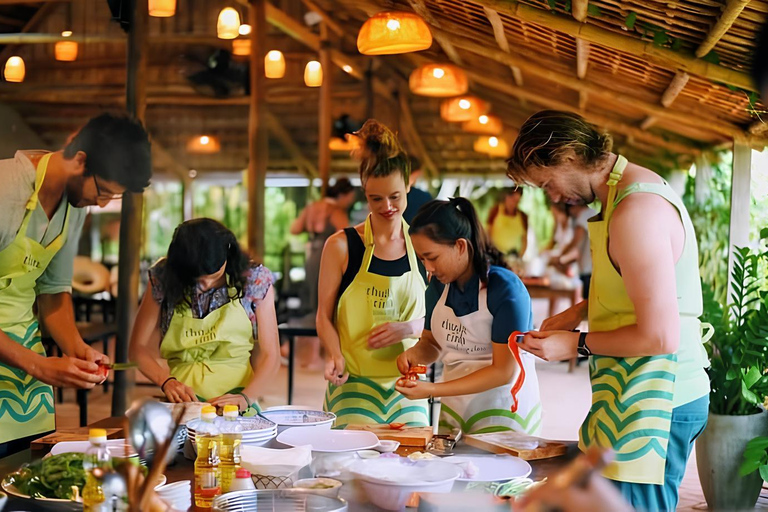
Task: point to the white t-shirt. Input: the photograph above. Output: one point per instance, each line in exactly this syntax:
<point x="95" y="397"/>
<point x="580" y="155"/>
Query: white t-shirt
<point x="585" y="255"/>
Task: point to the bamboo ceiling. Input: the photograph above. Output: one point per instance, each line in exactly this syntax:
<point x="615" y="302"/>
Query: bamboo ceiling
<point x="630" y="67"/>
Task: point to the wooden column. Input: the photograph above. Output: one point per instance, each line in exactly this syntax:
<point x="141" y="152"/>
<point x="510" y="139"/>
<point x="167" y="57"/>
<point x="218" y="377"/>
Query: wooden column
<point x="258" y="148"/>
<point x="740" y="200"/>
<point x="132" y="206"/>
<point x="325" y="118"/>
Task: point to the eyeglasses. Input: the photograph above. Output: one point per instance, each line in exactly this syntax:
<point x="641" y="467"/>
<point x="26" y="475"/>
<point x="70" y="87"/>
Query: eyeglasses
<point x="105" y="195"/>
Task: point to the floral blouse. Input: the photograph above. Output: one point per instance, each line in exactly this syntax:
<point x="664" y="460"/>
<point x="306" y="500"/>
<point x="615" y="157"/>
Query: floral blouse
<point x="258" y="279"/>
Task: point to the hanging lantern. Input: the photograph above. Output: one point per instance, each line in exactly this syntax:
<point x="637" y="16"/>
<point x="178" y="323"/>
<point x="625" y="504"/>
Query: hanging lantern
<point x="483" y="125"/>
<point x="14" y="69"/>
<point x="205" y="144"/>
<point x="349" y="143"/>
<point x="463" y="108"/>
<point x="244" y="29"/>
<point x="438" y="80"/>
<point x="313" y="74"/>
<point x="228" y="26"/>
<point x="162" y="8"/>
<point x="274" y="64"/>
<point x="492" y="146"/>
<point x="241" y="47"/>
<point x="65" y="51"/>
<point x="388" y="33"/>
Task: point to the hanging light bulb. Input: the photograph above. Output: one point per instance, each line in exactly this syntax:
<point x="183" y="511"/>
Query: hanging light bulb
<point x="228" y="25"/>
<point x="483" y="125"/>
<point x="492" y="146"/>
<point x="14" y="69"/>
<point x="244" y="29"/>
<point x="388" y="33"/>
<point x="162" y="8"/>
<point x="204" y="144"/>
<point x="241" y="47"/>
<point x="438" y="80"/>
<point x="65" y="51"/>
<point x="462" y="108"/>
<point x="274" y="64"/>
<point x="313" y="74"/>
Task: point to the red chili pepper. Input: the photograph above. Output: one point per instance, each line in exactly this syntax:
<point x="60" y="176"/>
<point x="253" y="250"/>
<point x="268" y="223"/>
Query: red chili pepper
<point x="396" y="426"/>
<point x="512" y="343"/>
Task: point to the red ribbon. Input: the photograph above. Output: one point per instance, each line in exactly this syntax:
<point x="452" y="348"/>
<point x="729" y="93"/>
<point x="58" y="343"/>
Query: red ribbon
<point x="512" y="343"/>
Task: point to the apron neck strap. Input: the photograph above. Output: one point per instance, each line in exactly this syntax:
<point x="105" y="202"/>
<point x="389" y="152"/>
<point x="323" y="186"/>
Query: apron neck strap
<point x="42" y="168"/>
<point x="613" y="179"/>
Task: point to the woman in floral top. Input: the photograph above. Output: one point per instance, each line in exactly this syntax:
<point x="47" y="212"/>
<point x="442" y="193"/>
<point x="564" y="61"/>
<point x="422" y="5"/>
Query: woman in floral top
<point x="205" y="306"/>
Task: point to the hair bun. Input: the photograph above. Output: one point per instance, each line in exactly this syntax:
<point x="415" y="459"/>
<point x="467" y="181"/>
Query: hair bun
<point x="379" y="140"/>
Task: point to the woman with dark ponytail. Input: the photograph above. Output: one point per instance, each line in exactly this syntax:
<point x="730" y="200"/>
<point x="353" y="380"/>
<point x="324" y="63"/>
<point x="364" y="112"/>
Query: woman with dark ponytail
<point x="205" y="305"/>
<point x="371" y="294"/>
<point x="474" y="304"/>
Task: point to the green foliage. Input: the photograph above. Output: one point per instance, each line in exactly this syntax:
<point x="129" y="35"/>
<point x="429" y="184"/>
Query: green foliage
<point x="630" y="20"/>
<point x="594" y="11"/>
<point x="552" y="4"/>
<point x="755" y="458"/>
<point x="712" y="57"/>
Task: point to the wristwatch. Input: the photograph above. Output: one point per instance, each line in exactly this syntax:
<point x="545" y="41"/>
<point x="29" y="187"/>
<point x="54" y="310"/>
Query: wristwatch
<point x="583" y="349"/>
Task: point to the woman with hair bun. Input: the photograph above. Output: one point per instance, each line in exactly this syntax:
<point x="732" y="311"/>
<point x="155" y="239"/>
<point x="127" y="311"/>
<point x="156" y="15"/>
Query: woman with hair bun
<point x="371" y="295"/>
<point x="205" y="305"/>
<point x="473" y="305"/>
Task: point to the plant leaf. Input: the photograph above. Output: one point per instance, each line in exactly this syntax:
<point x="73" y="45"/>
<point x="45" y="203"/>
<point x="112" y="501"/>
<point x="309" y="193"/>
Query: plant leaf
<point x="748" y="466"/>
<point x="677" y="43"/>
<point x="764" y="472"/>
<point x="660" y="38"/>
<point x="593" y="10"/>
<point x="731" y="374"/>
<point x="552" y="4"/>
<point x="630" y="20"/>
<point x="752" y="376"/>
<point x="749" y="396"/>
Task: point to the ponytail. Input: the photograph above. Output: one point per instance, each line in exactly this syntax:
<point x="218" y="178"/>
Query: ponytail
<point x="445" y="222"/>
<point x="381" y="153"/>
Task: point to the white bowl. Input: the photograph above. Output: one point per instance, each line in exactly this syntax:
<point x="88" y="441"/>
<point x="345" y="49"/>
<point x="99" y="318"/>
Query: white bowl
<point x="308" y="483"/>
<point x="387" y="446"/>
<point x="288" y="418"/>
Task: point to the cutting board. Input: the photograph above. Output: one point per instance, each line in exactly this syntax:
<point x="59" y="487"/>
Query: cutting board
<point x="71" y="434"/>
<point x="512" y="443"/>
<point x="417" y="437"/>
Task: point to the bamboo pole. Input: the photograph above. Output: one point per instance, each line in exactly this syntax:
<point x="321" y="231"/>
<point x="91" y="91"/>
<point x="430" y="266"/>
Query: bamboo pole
<point x="132" y="206"/>
<point x="663" y="57"/>
<point x="325" y="109"/>
<point x="258" y="144"/>
<point x="278" y="130"/>
<point x="582" y="58"/>
<point x="674" y="88"/>
<point x="422" y="10"/>
<point x="501" y="39"/>
<point x="731" y="12"/>
<point x="329" y="22"/>
<point x="409" y="126"/>
<point x="37" y="18"/>
<point x="740" y="201"/>
<point x="579" y="9"/>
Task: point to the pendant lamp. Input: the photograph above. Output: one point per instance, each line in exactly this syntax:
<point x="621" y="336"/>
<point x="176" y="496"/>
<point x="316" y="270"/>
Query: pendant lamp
<point x="463" y="108"/>
<point x="388" y="33"/>
<point x="492" y="146"/>
<point x="483" y="125"/>
<point x="438" y="80"/>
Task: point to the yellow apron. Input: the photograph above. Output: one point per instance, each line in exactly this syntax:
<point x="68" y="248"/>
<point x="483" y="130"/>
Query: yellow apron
<point x="26" y="404"/>
<point x="369" y="396"/>
<point x="633" y="398"/>
<point x="212" y="355"/>
<point x="508" y="231"/>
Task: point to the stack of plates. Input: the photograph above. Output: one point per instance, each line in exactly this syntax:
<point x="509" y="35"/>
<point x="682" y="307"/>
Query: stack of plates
<point x="255" y="431"/>
<point x="177" y="495"/>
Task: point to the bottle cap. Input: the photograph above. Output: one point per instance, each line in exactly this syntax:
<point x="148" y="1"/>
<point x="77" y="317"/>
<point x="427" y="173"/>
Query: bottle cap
<point x="243" y="473"/>
<point x="97" y="434"/>
<point x="231" y="408"/>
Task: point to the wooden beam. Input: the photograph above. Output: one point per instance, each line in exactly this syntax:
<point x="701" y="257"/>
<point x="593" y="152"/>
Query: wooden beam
<point x="582" y="58"/>
<point x="501" y="39"/>
<point x="325" y="106"/>
<point x="31" y="25"/>
<point x="329" y="22"/>
<point x="674" y="88"/>
<point x="664" y="57"/>
<point x="280" y="133"/>
<point x="132" y="205"/>
<point x="409" y="127"/>
<point x="422" y="10"/>
<point x="258" y="139"/>
<point x="14" y="22"/>
<point x="580" y="8"/>
<point x="740" y="200"/>
<point x="732" y="10"/>
<point x="726" y="129"/>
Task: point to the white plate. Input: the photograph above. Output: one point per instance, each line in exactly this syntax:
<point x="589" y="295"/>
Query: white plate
<point x="493" y="468"/>
<point x="299" y="418"/>
<point x="402" y="472"/>
<point x="329" y="441"/>
<point x="82" y="446"/>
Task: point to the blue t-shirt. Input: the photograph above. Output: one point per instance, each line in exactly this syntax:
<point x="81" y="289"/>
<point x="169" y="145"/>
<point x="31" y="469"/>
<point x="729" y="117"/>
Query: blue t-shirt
<point x="508" y="302"/>
<point x="416" y="199"/>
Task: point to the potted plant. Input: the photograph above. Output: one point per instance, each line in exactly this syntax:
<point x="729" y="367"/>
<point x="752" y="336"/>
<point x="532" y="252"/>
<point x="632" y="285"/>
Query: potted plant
<point x="738" y="352"/>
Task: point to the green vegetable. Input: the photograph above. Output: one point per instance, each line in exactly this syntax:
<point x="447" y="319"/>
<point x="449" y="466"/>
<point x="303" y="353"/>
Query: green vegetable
<point x="52" y="477"/>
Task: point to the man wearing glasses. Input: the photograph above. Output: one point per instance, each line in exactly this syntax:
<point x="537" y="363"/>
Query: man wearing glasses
<point x="42" y="200"/>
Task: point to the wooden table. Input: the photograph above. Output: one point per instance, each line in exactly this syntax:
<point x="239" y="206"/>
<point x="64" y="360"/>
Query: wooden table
<point x="183" y="470"/>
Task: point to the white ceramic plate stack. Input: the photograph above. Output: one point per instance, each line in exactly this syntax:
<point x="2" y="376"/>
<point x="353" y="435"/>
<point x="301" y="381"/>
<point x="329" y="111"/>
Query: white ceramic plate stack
<point x="288" y="418"/>
<point x="177" y="495"/>
<point x="324" y="440"/>
<point x="256" y="431"/>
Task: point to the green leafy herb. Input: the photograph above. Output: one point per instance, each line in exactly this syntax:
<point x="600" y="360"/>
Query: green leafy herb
<point x="630" y="20"/>
<point x="52" y="477"/>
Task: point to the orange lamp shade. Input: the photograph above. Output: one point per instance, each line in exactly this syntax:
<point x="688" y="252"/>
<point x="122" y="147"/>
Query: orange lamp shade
<point x="65" y="51"/>
<point x="483" y="125"/>
<point x="388" y="33"/>
<point x="492" y="146"/>
<point x="14" y="69"/>
<point x="463" y="108"/>
<point x="313" y="74"/>
<point x="438" y="80"/>
<point x="274" y="64"/>
<point x="204" y="144"/>
<point x="228" y="25"/>
<point x="241" y="47"/>
<point x="162" y="8"/>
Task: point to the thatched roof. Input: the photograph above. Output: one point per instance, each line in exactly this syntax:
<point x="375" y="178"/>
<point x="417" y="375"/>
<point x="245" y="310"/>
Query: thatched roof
<point x="630" y="67"/>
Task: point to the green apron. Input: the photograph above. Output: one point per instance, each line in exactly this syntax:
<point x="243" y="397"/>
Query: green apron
<point x="633" y="397"/>
<point x="212" y="355"/>
<point x="369" y="395"/>
<point x="26" y="404"/>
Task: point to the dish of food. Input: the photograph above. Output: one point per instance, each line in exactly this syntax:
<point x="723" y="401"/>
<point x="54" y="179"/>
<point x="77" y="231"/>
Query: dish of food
<point x="53" y="477"/>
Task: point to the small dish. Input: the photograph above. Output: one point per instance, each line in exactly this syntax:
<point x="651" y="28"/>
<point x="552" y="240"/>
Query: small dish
<point x="368" y="454"/>
<point x="322" y="486"/>
<point x="387" y="446"/>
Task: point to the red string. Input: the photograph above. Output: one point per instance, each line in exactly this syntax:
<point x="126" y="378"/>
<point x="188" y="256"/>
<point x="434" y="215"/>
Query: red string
<point x="512" y="343"/>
